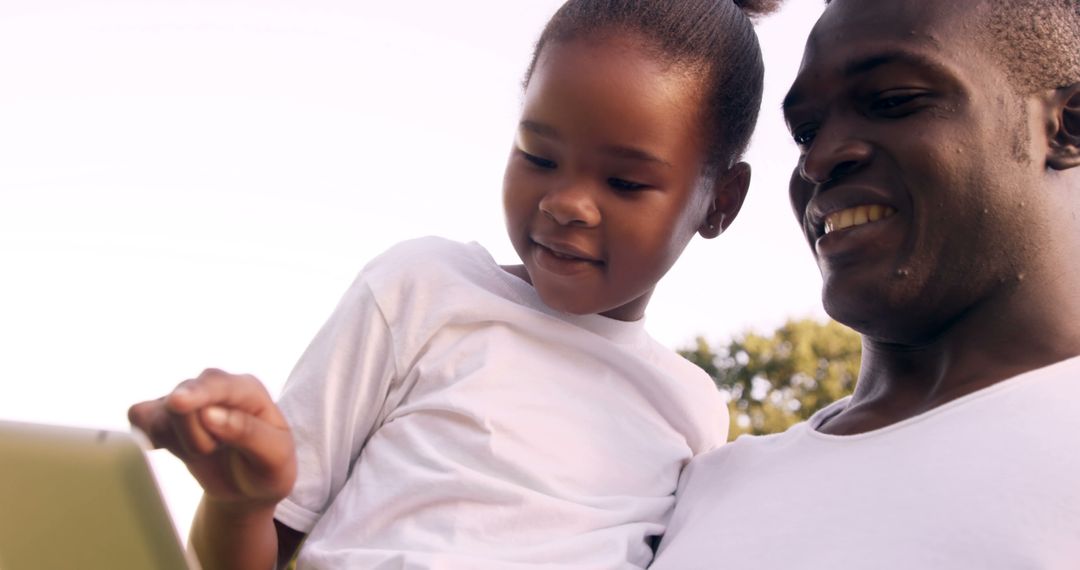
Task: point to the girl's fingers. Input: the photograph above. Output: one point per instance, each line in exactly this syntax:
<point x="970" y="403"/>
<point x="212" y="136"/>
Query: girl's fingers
<point x="193" y="436"/>
<point x="219" y="408"/>
<point x="267" y="448"/>
<point x="228" y="431"/>
<point x="181" y="434"/>
<point x="237" y="392"/>
<point x="152" y="419"/>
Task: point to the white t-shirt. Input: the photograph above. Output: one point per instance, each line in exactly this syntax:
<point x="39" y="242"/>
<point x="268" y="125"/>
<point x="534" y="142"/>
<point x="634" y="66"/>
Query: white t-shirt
<point x="988" y="481"/>
<point x="446" y="418"/>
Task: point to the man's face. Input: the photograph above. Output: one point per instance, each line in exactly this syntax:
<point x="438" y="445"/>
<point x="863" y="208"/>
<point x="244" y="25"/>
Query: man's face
<point x="916" y="182"/>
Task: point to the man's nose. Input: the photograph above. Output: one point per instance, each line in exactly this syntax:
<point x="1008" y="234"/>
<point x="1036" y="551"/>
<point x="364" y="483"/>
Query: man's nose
<point x="832" y="156"/>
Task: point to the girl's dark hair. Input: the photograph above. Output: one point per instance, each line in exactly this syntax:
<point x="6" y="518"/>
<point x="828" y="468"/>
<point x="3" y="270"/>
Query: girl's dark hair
<point x="714" y="39"/>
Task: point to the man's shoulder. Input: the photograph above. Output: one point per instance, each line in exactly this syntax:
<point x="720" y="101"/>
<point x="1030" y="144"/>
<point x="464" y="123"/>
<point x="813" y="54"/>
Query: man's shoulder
<point x="753" y="449"/>
<point x="780" y="447"/>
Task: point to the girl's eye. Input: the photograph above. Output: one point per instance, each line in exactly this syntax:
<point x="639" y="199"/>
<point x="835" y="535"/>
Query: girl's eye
<point x="625" y="185"/>
<point x="804" y="136"/>
<point x="538" y="161"/>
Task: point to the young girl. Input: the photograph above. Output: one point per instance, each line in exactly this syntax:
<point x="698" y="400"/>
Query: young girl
<point x="457" y="414"/>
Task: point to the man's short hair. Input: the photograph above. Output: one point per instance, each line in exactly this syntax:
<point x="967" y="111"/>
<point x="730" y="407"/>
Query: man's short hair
<point x="1037" y="41"/>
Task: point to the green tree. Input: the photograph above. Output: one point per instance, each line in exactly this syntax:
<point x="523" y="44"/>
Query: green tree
<point x="781" y="379"/>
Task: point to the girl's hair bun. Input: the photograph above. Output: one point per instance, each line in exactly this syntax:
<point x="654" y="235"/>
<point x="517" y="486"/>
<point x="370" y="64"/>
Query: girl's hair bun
<point x="755" y="8"/>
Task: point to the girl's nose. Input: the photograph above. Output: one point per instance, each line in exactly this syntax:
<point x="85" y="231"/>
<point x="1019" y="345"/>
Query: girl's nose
<point x="571" y="206"/>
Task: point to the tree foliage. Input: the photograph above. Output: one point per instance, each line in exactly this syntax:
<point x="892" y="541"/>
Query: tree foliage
<point x="781" y="379"/>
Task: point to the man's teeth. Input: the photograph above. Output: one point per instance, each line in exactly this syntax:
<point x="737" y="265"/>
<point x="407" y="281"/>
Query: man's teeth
<point x="856" y="216"/>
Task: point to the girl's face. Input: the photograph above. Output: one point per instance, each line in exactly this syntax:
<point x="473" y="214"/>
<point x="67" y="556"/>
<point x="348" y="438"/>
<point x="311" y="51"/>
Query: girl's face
<point x="605" y="184"/>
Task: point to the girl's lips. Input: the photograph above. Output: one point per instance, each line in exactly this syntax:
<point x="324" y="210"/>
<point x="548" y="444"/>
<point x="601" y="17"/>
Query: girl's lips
<point x="563" y="258"/>
<point x="559" y="263"/>
<point x="566" y="251"/>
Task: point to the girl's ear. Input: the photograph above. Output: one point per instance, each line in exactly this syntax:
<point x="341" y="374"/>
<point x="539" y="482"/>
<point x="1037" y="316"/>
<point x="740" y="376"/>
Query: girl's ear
<point x="728" y="194"/>
<point x="1063" y="128"/>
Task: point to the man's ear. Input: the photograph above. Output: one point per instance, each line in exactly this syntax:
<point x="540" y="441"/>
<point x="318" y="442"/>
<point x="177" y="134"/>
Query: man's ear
<point x="728" y="195"/>
<point x="1063" y="128"/>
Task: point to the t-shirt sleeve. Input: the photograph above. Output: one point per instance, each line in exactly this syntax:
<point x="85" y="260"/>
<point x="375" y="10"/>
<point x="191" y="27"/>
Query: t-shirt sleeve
<point x="703" y="412"/>
<point x="716" y="431"/>
<point x="334" y="399"/>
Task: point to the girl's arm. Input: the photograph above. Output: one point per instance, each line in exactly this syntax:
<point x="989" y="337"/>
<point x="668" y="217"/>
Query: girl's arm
<point x="225" y="537"/>
<point x="221" y="539"/>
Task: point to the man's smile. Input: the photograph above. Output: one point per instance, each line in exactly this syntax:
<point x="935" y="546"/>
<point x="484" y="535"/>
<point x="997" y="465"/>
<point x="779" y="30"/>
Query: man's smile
<point x="856" y="216"/>
<point x="849" y="222"/>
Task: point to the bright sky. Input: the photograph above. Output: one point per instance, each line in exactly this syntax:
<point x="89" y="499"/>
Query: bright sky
<point x="194" y="184"/>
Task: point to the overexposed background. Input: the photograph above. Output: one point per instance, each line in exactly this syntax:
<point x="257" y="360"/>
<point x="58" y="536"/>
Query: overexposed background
<point x="194" y="183"/>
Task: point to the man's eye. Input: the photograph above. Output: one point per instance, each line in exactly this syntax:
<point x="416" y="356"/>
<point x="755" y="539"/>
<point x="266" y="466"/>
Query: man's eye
<point x="625" y="185"/>
<point x="539" y="161"/>
<point x="896" y="103"/>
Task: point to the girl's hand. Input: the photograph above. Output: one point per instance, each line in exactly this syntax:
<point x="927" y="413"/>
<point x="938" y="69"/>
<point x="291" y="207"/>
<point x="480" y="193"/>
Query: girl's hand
<point x="229" y="433"/>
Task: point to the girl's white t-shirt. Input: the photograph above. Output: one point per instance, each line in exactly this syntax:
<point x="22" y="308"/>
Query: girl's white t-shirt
<point x="446" y="418"/>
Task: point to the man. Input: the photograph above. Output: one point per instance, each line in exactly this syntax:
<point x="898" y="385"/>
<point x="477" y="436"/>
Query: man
<point x="939" y="192"/>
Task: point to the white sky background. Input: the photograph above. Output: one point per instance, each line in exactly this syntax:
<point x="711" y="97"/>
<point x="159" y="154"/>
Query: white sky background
<point x="194" y="183"/>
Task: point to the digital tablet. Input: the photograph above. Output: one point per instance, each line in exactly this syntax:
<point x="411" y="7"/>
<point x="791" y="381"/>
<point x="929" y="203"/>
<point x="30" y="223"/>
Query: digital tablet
<point x="81" y="498"/>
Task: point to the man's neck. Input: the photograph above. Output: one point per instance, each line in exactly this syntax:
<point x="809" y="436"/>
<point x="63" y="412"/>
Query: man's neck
<point x="898" y="381"/>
